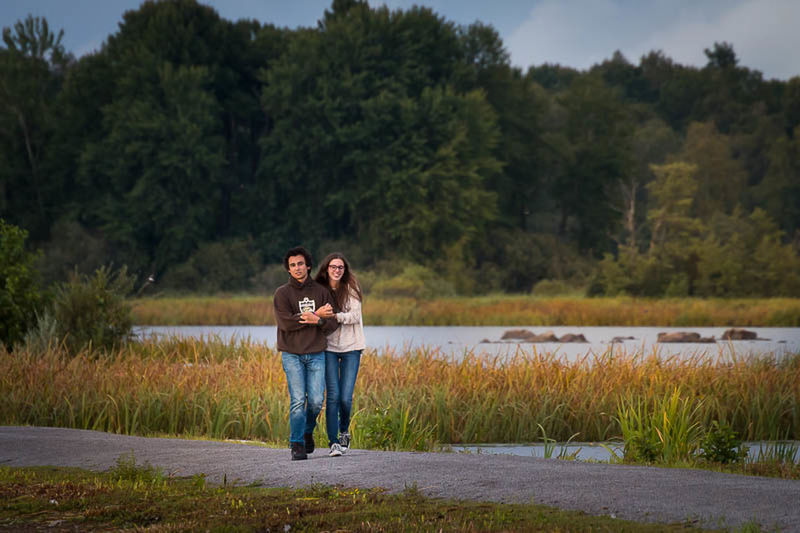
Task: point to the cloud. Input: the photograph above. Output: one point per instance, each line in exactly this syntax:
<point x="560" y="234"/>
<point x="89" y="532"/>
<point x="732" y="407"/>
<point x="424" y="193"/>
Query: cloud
<point x="580" y="34"/>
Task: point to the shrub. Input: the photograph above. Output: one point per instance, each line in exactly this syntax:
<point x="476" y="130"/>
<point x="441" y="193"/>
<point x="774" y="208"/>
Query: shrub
<point x="43" y="335"/>
<point x="93" y="311"/>
<point x="721" y="444"/>
<point x="71" y="247"/>
<point x="215" y="267"/>
<point x="19" y="286"/>
<point x="413" y="282"/>
<point x="269" y="278"/>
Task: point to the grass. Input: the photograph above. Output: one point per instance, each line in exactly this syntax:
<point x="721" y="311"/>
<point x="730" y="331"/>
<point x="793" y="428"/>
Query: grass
<point x="415" y="399"/>
<point x="497" y="310"/>
<point x="137" y="497"/>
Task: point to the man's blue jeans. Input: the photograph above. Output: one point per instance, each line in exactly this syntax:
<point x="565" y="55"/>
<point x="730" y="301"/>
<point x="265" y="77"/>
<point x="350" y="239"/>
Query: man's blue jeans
<point x="305" y="374"/>
<point x="341" y="370"/>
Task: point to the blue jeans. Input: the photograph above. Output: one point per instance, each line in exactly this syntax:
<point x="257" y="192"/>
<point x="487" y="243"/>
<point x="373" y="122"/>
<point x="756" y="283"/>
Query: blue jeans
<point x="305" y="374"/>
<point x="341" y="370"/>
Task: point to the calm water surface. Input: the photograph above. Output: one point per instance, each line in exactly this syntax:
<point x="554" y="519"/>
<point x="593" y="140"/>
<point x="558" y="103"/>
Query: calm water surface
<point x="592" y="451"/>
<point x="455" y="341"/>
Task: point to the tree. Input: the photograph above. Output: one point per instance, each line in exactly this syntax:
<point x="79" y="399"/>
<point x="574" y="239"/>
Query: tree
<point x="674" y="230"/>
<point x="179" y="140"/>
<point x="721" y="56"/>
<point x="744" y="256"/>
<point x="19" y="288"/>
<point x="721" y="179"/>
<point x="779" y="192"/>
<point x="163" y="162"/>
<point x="31" y="68"/>
<point x="595" y="147"/>
<point x="651" y="143"/>
<point x="372" y="137"/>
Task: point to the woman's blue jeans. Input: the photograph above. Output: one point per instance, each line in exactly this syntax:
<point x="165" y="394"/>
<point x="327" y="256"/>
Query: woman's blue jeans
<point x="305" y="374"/>
<point x="341" y="369"/>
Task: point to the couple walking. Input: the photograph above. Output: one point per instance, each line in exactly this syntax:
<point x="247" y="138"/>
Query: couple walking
<point x="321" y="337"/>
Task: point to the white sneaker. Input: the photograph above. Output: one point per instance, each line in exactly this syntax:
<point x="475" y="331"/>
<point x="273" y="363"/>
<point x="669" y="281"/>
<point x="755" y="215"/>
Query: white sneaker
<point x="336" y="450"/>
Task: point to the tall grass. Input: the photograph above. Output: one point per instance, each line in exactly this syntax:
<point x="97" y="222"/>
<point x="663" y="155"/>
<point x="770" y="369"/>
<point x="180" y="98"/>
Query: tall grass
<point x="490" y="311"/>
<point x="666" y="431"/>
<point x="406" y="400"/>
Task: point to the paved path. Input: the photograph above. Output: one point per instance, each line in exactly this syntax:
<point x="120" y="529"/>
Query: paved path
<point x="631" y="492"/>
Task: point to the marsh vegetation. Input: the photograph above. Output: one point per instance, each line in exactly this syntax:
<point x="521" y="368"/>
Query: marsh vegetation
<point x="414" y="400"/>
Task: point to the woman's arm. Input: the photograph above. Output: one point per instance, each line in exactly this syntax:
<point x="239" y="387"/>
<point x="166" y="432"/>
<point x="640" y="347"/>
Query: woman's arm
<point x="353" y="314"/>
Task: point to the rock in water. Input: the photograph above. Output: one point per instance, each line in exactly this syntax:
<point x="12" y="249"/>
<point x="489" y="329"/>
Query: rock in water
<point x="736" y="334"/>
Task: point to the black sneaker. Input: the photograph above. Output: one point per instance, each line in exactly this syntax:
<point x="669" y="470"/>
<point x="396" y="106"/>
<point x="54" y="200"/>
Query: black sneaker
<point x="298" y="452"/>
<point x="344" y="440"/>
<point x="309" y="438"/>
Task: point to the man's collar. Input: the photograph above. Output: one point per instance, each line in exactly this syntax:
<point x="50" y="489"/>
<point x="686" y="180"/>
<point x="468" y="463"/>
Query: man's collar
<point x="299" y="284"/>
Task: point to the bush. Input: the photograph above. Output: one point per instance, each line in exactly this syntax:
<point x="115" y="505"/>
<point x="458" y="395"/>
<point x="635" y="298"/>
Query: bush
<point x="19" y="286"/>
<point x="413" y="282"/>
<point x="44" y="335"/>
<point x="93" y="311"/>
<point x="515" y="260"/>
<point x="721" y="444"/>
<point x="216" y="267"/>
<point x="269" y="279"/>
<point x="71" y="247"/>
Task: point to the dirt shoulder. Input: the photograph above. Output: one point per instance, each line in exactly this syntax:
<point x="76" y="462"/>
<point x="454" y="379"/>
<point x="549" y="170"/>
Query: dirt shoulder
<point x="630" y="492"/>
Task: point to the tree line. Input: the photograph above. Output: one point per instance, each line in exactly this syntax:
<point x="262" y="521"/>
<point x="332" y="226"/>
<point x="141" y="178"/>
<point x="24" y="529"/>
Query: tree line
<point x="198" y="149"/>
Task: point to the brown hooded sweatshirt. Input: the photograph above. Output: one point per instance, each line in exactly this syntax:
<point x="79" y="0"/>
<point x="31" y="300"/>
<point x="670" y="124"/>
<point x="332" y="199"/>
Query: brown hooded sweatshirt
<point x="289" y="302"/>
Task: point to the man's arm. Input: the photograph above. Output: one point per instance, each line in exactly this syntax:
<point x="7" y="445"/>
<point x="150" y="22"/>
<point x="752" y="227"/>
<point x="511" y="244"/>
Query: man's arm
<point x="285" y="317"/>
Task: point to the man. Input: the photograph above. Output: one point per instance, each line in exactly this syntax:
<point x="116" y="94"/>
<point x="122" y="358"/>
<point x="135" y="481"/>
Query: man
<point x="302" y="342"/>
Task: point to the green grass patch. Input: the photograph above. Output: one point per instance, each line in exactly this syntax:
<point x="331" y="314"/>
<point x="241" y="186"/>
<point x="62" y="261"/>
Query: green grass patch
<point x="70" y="499"/>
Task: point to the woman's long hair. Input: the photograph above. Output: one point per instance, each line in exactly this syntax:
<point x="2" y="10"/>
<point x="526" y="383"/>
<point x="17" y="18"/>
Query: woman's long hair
<point x="348" y="282"/>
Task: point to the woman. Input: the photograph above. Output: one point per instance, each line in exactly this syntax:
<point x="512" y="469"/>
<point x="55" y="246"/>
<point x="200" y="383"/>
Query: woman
<point x="343" y="355"/>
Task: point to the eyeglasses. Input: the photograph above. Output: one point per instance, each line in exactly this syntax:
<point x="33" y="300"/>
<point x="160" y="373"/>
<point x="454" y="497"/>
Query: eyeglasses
<point x="335" y="267"/>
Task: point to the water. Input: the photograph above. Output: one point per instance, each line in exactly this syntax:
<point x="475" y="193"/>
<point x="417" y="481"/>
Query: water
<point x="590" y="451"/>
<point x="455" y="341"/>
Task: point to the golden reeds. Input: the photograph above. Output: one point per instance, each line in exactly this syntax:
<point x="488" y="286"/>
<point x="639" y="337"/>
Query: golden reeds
<point x="490" y="311"/>
<point x="237" y="389"/>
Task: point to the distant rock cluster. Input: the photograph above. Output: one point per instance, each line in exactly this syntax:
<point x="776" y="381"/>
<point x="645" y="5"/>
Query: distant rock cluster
<point x="734" y="334"/>
<point x="528" y="336"/>
<point x="523" y="335"/>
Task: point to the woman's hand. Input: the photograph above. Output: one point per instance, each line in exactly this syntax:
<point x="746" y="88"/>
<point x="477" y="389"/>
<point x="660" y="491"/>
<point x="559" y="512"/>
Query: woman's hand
<point x="309" y="318"/>
<point x="326" y="311"/>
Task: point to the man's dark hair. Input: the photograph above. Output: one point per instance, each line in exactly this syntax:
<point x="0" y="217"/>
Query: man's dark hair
<point x="297" y="250"/>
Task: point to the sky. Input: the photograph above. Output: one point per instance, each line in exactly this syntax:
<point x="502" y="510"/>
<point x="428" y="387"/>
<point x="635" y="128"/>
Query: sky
<point x="574" y="33"/>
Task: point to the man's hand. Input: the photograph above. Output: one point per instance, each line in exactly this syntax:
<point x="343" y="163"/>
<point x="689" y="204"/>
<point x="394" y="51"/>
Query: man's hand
<point x="309" y="318"/>
<point x="326" y="311"/>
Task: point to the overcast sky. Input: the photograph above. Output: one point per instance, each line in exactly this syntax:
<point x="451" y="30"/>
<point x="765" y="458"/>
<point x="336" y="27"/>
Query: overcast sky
<point x="575" y="33"/>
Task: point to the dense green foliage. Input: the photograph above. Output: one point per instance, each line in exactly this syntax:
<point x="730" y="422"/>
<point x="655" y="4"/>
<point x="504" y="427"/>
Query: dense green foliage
<point x="198" y="149"/>
<point x="19" y="289"/>
<point x="92" y="311"/>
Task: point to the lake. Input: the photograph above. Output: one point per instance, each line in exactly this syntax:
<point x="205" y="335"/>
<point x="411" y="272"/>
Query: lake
<point x="454" y="341"/>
